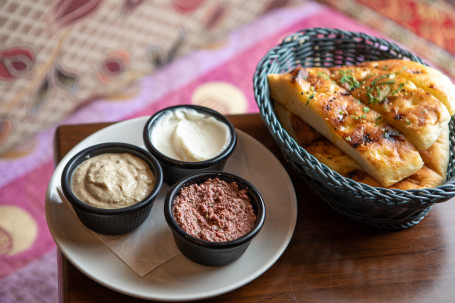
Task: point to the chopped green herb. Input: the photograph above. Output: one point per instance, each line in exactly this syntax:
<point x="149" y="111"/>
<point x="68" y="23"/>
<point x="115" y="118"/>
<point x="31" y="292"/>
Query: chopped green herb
<point x="309" y="98"/>
<point x="371" y="98"/>
<point x="347" y="77"/>
<point x="407" y="121"/>
<point x="375" y="85"/>
<point x="398" y="89"/>
<point x="387" y="82"/>
<point x="348" y="138"/>
<point x="380" y="78"/>
<point x="366" y="109"/>
<point x="354" y="117"/>
<point x="390" y="133"/>
<point x="323" y="75"/>
<point x="362" y="116"/>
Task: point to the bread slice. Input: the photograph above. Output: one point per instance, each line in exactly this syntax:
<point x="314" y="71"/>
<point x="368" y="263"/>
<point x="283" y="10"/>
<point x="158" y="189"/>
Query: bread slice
<point x="379" y="149"/>
<point x="431" y="175"/>
<point x="437" y="156"/>
<point x="424" y="77"/>
<point x="416" y="113"/>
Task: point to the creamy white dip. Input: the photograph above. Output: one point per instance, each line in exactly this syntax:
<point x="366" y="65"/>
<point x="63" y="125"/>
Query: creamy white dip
<point x="189" y="135"/>
<point x="112" y="180"/>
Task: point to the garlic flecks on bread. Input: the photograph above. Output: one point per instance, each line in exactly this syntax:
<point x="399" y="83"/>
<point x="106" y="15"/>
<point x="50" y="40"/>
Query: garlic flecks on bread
<point x="432" y="174"/>
<point x="416" y="113"/>
<point x="381" y="150"/>
<point x="359" y="140"/>
<point x="429" y="79"/>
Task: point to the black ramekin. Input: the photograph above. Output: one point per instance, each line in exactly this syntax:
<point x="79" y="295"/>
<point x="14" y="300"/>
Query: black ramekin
<point x="173" y="169"/>
<point x="207" y="252"/>
<point x="111" y="221"/>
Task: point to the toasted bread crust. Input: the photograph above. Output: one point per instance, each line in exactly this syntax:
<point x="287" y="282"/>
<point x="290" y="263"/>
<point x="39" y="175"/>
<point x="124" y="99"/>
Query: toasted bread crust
<point x="382" y="151"/>
<point x="424" y="77"/>
<point x="431" y="175"/>
<point x="416" y="113"/>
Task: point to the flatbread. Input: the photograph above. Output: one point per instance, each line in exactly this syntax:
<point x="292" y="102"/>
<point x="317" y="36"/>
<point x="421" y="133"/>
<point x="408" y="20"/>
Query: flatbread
<point x="416" y="113"/>
<point x="432" y="174"/>
<point x="427" y="78"/>
<point x="379" y="149"/>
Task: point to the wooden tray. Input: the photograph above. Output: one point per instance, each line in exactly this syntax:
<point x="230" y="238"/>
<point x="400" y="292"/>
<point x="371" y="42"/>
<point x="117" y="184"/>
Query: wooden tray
<point x="329" y="259"/>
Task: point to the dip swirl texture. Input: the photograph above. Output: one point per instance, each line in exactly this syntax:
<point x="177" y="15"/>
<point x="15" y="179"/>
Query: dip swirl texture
<point x="112" y="180"/>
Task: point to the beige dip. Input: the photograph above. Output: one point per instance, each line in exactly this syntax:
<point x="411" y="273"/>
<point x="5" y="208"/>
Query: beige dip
<point x="112" y="180"/>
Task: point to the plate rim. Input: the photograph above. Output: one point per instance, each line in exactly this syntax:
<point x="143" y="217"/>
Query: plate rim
<point x="248" y="278"/>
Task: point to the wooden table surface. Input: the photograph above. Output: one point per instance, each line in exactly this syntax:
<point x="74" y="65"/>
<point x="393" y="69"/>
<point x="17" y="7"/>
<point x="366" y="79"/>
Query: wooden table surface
<point x="329" y="259"/>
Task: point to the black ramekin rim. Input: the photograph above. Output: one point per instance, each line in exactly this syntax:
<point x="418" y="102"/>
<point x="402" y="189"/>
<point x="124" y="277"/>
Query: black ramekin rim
<point x="186" y="164"/>
<point x="114" y="147"/>
<point x="200" y="178"/>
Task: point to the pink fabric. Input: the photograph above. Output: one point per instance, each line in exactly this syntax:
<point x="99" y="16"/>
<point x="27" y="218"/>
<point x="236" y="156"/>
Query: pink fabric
<point x="28" y="192"/>
<point x="55" y="54"/>
<point x="240" y="68"/>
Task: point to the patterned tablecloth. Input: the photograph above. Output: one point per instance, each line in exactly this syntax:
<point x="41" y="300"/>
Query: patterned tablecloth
<point x="219" y="76"/>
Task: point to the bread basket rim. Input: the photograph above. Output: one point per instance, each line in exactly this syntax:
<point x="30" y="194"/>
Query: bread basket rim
<point x="299" y="38"/>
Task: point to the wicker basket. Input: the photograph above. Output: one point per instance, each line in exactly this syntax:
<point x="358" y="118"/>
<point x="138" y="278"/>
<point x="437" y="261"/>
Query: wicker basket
<point x="380" y="207"/>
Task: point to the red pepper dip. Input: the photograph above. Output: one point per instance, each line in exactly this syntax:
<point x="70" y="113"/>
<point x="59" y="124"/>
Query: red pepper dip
<point x="214" y="211"/>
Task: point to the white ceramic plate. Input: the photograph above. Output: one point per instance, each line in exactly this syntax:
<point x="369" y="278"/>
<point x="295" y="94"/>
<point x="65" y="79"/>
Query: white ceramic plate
<point x="180" y="279"/>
